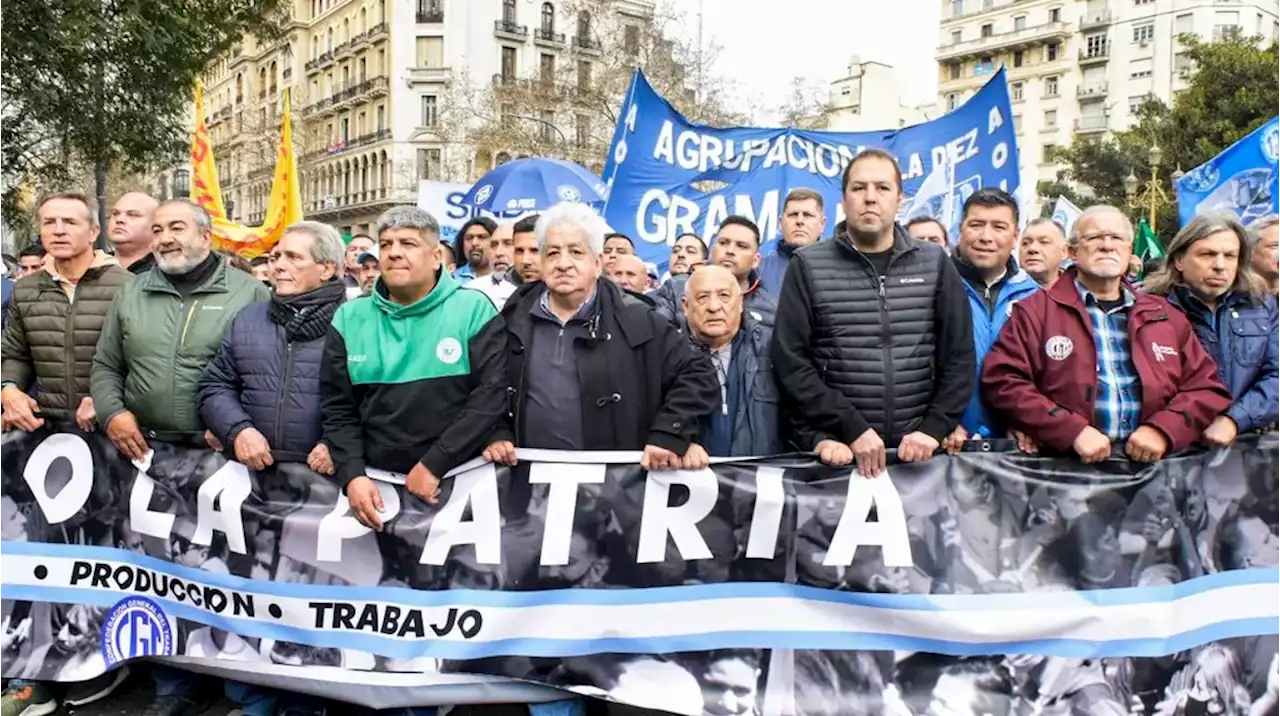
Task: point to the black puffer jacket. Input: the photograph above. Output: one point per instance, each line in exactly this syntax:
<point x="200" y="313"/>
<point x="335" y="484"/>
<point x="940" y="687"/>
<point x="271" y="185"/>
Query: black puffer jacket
<point x="854" y="353"/>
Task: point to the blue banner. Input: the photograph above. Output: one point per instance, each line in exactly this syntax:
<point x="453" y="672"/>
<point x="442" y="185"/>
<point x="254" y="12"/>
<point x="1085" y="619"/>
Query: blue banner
<point x="1242" y="179"/>
<point x="668" y="176"/>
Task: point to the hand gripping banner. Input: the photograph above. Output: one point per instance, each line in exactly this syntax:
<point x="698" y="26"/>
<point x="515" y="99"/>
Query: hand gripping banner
<point x="978" y="584"/>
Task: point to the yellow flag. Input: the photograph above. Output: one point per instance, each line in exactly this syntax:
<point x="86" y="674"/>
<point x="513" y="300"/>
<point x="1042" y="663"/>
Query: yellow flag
<point x="284" y="206"/>
<point x="205" y="190"/>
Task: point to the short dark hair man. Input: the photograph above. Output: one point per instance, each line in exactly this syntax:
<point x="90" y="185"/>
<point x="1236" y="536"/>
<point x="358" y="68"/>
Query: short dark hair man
<point x="1042" y="249"/>
<point x="804" y="218"/>
<point x="736" y="248"/>
<point x="471" y="248"/>
<point x="687" y="252"/>
<point x="616" y="245"/>
<point x="524" y="252"/>
<point x="873" y="343"/>
<point x="927" y="228"/>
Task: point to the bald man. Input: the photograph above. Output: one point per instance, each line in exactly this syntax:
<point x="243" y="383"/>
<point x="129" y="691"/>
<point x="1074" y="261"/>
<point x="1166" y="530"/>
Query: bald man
<point x="628" y="271"/>
<point x="129" y="231"/>
<point x="747" y="421"/>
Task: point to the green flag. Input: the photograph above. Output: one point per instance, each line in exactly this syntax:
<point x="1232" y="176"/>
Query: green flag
<point x="1147" y="246"/>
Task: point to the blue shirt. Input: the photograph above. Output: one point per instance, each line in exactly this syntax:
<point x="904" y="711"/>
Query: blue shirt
<point x="1119" y="405"/>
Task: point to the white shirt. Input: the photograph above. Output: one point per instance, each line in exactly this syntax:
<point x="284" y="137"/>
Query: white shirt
<point x="495" y="286"/>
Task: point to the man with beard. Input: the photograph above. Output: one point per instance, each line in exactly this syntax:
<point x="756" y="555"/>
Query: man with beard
<point x="164" y="328"/>
<point x="737" y="248"/>
<point x="129" y="231"/>
<point x="687" y="252"/>
<point x="873" y="345"/>
<point x="1091" y="361"/>
<point x="472" y="248"/>
<point x="1207" y="275"/>
<point x="495" y="284"/>
<point x="356" y="247"/>
<point x="804" y="218"/>
<point x="524" y="252"/>
<point x="1042" y="249"/>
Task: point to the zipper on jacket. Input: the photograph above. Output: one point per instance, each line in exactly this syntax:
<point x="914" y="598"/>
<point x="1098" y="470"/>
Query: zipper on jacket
<point x="280" y="394"/>
<point x="178" y="337"/>
<point x="69" y="355"/>
<point x="886" y="342"/>
<point x="187" y="324"/>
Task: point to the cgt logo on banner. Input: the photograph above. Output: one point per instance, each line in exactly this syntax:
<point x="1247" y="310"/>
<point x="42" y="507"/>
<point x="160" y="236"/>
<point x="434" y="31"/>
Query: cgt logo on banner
<point x="668" y="176"/>
<point x="771" y="587"/>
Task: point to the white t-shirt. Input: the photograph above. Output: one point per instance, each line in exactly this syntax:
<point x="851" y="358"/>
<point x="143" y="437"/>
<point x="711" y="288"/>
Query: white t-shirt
<point x="495" y="286"/>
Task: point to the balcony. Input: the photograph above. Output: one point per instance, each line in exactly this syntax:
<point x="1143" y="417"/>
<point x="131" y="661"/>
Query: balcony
<point x="1088" y="125"/>
<point x="1007" y="41"/>
<point x="431" y="13"/>
<point x="1097" y="90"/>
<point x="371" y="138"/>
<point x="345" y="97"/>
<point x="1095" y="20"/>
<point x="371" y="88"/>
<point x="378" y="32"/>
<point x="323" y="60"/>
<point x="548" y="37"/>
<point x="358" y="40"/>
<point x="342" y="50"/>
<point x="586" y="44"/>
<point x="430" y="75"/>
<point x="1095" y="55"/>
<point x="262" y="172"/>
<point x="312" y="66"/>
<point x="509" y="30"/>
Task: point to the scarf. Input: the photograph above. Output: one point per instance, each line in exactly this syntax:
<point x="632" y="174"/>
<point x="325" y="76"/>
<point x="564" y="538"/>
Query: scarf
<point x="306" y="316"/>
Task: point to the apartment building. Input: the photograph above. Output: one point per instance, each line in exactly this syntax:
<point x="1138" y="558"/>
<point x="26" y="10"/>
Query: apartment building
<point x="368" y="81"/>
<point x="866" y="99"/>
<point x="1078" y="67"/>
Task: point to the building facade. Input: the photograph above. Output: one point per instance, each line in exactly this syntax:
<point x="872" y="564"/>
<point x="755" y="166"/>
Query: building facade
<point x="1079" y="67"/>
<point x="369" y="81"/>
<point x="866" y="99"/>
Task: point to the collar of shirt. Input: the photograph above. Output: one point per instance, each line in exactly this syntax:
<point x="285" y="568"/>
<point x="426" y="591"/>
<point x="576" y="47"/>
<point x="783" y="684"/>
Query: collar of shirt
<point x="543" y="308"/>
<point x="1091" y="301"/>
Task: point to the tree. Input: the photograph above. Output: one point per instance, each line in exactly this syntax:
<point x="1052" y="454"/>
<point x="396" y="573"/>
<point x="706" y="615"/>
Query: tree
<point x="1233" y="87"/>
<point x="569" y="108"/>
<point x="107" y="83"/>
<point x="806" y="107"/>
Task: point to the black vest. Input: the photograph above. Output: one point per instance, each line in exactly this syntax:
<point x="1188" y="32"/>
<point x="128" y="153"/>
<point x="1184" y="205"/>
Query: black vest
<point x="876" y="343"/>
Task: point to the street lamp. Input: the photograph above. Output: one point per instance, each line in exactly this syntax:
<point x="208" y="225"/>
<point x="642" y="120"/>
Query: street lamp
<point x="1149" y="194"/>
<point x="181" y="182"/>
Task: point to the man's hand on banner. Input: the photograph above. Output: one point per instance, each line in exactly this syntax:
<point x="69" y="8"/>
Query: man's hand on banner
<point x="1146" y="444"/>
<point x="868" y="450"/>
<point x="954" y="442"/>
<point x="916" y="447"/>
<point x="320" y="460"/>
<point x="834" y="453"/>
<point x="1026" y="443"/>
<point x="1220" y="433"/>
<point x="124" y="433"/>
<point x="85" y="417"/>
<point x="501" y="452"/>
<point x="253" y="449"/>
<point x="695" y="458"/>
<point x="1091" y="445"/>
<point x="656" y="458"/>
<point x="424" y="485"/>
<point x="19" y="410"/>
<point x="366" y="502"/>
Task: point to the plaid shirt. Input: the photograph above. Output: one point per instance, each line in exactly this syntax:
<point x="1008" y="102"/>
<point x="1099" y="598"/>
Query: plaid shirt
<point x="1119" y="405"/>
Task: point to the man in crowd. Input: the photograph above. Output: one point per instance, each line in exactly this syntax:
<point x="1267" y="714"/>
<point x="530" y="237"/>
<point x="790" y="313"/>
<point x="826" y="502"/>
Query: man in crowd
<point x="628" y="272"/>
<point x="747" y="421"/>
<point x="367" y="273"/>
<point x="164" y="328"/>
<point x="49" y="341"/>
<point x="1090" y="361"/>
<point x="994" y="283"/>
<point x="495" y="284"/>
<point x="616" y="245"/>
<point x="30" y="260"/>
<point x="927" y="228"/>
<point x="356" y="247"/>
<point x="688" y="251"/>
<point x="129" y="231"/>
<point x="471" y="248"/>
<point x="804" y="218"/>
<point x="1208" y="276"/>
<point x="874" y="342"/>
<point x="595" y="368"/>
<point x="524" y="252"/>
<point x="413" y="377"/>
<point x="736" y="248"/>
<point x="1042" y="250"/>
<point x="1266" y="251"/>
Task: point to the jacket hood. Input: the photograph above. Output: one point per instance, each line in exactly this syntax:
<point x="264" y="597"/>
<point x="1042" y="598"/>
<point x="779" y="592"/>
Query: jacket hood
<point x="100" y="259"/>
<point x="445" y="287"/>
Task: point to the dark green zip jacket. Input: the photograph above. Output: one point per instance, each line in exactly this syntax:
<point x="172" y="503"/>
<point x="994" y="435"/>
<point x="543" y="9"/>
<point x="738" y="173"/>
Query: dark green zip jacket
<point x="407" y="384"/>
<point x="154" y="346"/>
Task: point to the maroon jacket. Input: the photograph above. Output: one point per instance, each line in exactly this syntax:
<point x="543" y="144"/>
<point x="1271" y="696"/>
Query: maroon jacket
<point x="1051" y="397"/>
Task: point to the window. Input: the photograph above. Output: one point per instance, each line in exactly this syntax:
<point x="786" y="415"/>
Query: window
<point x="582" y="130"/>
<point x="1225" y="24"/>
<point x="985" y="66"/>
<point x="506" y="115"/>
<point x="430" y="110"/>
<point x="988" y="4"/>
<point x="1184" y="24"/>
<point x="953" y="100"/>
<point x="549" y="132"/>
<point x="988" y="30"/>
<point x="1017" y="123"/>
<point x="955" y="37"/>
<point x="429" y="164"/>
<point x="1046" y="153"/>
<point x="1140" y="69"/>
<point x="1018" y="58"/>
<point x="584" y="74"/>
<point x="344" y="131"/>
<point x="1020" y="22"/>
<point x="1052" y="52"/>
<point x="957" y="8"/>
<point x="1143" y="2"/>
<point x="631" y="39"/>
<point x="430" y="51"/>
<point x="1051" y="118"/>
<point x="1144" y="33"/>
<point x="548" y="19"/>
<point x="509" y="11"/>
<point x="1015" y="91"/>
<point x="953" y="71"/>
<point x="1055" y="14"/>
<point x="1051" y="86"/>
<point x="1135" y="103"/>
<point x="1182" y="63"/>
<point x="381" y="118"/>
<point x="1095" y="45"/>
<point x="547" y="68"/>
<point x="508" y="63"/>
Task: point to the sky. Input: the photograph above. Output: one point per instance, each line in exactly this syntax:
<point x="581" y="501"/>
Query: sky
<point x="765" y="44"/>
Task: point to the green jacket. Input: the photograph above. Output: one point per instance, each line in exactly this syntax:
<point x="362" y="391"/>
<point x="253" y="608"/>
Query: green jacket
<point x="419" y="383"/>
<point x="154" y="345"/>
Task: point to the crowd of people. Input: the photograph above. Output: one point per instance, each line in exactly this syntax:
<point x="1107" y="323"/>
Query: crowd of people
<point x="401" y="352"/>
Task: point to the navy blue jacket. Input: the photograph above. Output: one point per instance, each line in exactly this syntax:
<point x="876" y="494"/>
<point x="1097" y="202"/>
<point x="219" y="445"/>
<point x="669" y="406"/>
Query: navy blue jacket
<point x="258" y="380"/>
<point x="773" y="268"/>
<point x="756" y="428"/>
<point x="758" y="304"/>
<point x="1241" y="336"/>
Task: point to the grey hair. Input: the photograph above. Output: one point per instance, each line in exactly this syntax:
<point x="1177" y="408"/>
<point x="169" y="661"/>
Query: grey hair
<point x="1098" y="210"/>
<point x="326" y="244"/>
<point x="1201" y="227"/>
<point x="578" y="217"/>
<point x="409" y="217"/>
<point x="204" y="222"/>
<point x="1255" y="229"/>
<point x="1045" y="220"/>
<point x="90" y="206"/>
